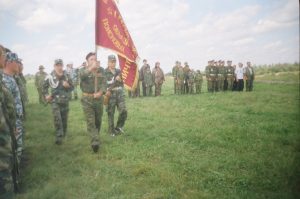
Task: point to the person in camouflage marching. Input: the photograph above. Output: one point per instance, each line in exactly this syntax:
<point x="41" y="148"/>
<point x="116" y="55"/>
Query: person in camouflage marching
<point x="116" y="97"/>
<point x="73" y="73"/>
<point x="93" y="86"/>
<point x="148" y="80"/>
<point x="8" y="158"/>
<point x="198" y="81"/>
<point x="158" y="78"/>
<point x="249" y="76"/>
<point x="229" y="75"/>
<point x="60" y="85"/>
<point x="180" y="80"/>
<point x="174" y="74"/>
<point x="38" y="82"/>
<point x="221" y="75"/>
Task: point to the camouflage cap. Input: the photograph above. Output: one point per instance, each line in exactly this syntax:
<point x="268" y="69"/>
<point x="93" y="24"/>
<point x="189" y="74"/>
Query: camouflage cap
<point x="112" y="57"/>
<point x="10" y="56"/>
<point x="41" y="67"/>
<point x="58" y="62"/>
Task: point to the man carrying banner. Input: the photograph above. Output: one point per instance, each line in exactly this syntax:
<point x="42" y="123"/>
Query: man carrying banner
<point x="116" y="97"/>
<point x="93" y="86"/>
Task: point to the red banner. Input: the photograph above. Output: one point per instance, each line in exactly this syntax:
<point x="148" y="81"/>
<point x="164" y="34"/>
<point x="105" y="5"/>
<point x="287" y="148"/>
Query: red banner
<point x="112" y="33"/>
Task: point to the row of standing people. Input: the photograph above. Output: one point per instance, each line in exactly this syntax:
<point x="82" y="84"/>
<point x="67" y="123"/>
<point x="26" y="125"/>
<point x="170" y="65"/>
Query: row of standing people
<point x="229" y="78"/>
<point x="13" y="101"/>
<point x="148" y="79"/>
<point x="186" y="80"/>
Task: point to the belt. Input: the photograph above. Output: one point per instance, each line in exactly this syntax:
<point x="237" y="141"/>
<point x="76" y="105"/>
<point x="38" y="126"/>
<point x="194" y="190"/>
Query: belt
<point x="117" y="88"/>
<point x="88" y="94"/>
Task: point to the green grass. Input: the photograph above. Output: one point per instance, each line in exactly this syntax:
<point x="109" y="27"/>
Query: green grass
<point x="223" y="145"/>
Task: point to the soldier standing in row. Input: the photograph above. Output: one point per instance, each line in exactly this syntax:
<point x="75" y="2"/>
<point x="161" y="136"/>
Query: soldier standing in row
<point x="60" y="84"/>
<point x="8" y="158"/>
<point x="229" y="75"/>
<point x="93" y="86"/>
<point x="174" y="74"/>
<point x="211" y="73"/>
<point x="145" y="64"/>
<point x="249" y="76"/>
<point x="186" y="70"/>
<point x="221" y="75"/>
<point x="39" y="81"/>
<point x="115" y="96"/>
<point x="191" y="81"/>
<point x="198" y="81"/>
<point x="148" y="80"/>
<point x="180" y="80"/>
<point x="73" y="73"/>
<point x="11" y="68"/>
<point x="158" y="78"/>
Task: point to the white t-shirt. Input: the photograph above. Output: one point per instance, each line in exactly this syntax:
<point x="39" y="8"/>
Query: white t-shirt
<point x="239" y="73"/>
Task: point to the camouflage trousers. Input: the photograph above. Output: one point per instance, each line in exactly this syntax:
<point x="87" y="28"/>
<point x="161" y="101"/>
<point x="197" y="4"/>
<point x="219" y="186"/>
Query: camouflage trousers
<point x="93" y="111"/>
<point x="179" y="86"/>
<point x="191" y="87"/>
<point x="148" y="90"/>
<point x="20" y="134"/>
<point x="117" y="99"/>
<point x="210" y="85"/>
<point x="221" y="84"/>
<point x="6" y="182"/>
<point x="230" y="83"/>
<point x="60" y="115"/>
<point x="249" y="84"/>
<point x="175" y="86"/>
<point x="198" y="86"/>
<point x="74" y="93"/>
<point x="158" y="89"/>
<point x="41" y="96"/>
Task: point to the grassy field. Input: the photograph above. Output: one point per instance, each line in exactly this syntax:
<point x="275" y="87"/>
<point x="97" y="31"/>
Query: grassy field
<point x="223" y="145"/>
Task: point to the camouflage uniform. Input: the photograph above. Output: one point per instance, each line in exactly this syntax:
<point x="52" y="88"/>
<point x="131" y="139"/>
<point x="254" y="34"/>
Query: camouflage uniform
<point x="117" y="100"/>
<point x="230" y="77"/>
<point x="174" y="74"/>
<point x="148" y="80"/>
<point x="13" y="88"/>
<point x="180" y="80"/>
<point x="211" y="74"/>
<point x="21" y="82"/>
<point x="90" y="83"/>
<point x="73" y="73"/>
<point x="39" y="80"/>
<point x="221" y="77"/>
<point x="158" y="78"/>
<point x="191" y="81"/>
<point x="7" y="147"/>
<point x="186" y="70"/>
<point x="198" y="81"/>
<point x="249" y="75"/>
<point x="60" y="101"/>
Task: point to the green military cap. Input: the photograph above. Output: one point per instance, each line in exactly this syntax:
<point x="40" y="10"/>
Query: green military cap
<point x="41" y="67"/>
<point x="58" y="62"/>
<point x="112" y="57"/>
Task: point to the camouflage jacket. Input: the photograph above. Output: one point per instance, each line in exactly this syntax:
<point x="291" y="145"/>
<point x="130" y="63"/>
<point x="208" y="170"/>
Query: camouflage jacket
<point x="221" y="72"/>
<point x="13" y="88"/>
<point x="198" y="77"/>
<point x="88" y="78"/>
<point x="111" y="79"/>
<point x="158" y="75"/>
<point x="39" y="79"/>
<point x="211" y="72"/>
<point x="59" y="93"/>
<point x="148" y="76"/>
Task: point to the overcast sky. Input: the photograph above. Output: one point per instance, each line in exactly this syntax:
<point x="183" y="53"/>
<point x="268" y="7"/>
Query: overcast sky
<point x="262" y="31"/>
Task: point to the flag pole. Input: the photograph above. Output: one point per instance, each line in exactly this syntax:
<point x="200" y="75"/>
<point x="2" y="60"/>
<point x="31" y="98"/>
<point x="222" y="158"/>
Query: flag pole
<point x="96" y="32"/>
